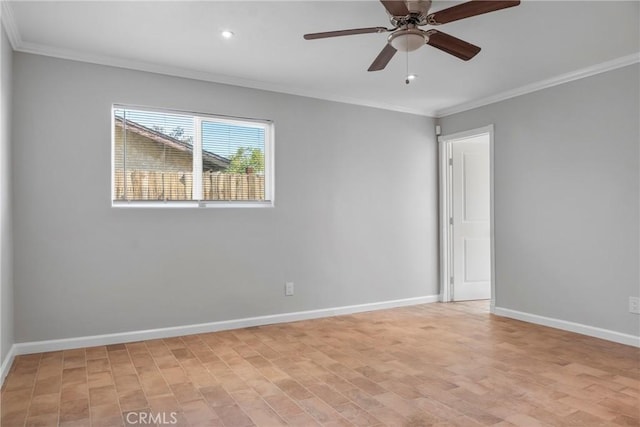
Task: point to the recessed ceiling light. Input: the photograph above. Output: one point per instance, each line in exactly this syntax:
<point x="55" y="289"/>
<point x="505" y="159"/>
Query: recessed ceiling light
<point x="226" y="34"/>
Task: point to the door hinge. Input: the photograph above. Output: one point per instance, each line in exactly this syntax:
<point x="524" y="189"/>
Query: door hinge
<point x="450" y="162"/>
<point x="451" y="280"/>
<point x="451" y="221"/>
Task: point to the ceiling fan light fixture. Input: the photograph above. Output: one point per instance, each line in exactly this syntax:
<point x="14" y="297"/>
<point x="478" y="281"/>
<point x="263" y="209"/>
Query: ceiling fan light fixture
<point x="407" y="40"/>
<point x="407" y="16"/>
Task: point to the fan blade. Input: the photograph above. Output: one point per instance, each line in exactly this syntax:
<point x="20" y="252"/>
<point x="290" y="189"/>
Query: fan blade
<point x="452" y="45"/>
<point x="324" y="35"/>
<point x="383" y="58"/>
<point x="395" y="7"/>
<point x="467" y="10"/>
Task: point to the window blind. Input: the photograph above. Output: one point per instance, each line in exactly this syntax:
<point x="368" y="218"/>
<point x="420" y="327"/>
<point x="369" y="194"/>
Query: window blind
<point x="167" y="156"/>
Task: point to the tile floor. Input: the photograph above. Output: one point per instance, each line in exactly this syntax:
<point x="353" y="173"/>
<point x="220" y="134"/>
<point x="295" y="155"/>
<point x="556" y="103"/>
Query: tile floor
<point x="435" y="364"/>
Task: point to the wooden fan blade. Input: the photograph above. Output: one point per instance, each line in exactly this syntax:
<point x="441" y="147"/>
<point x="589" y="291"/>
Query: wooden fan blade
<point x="327" y="34"/>
<point x="467" y="10"/>
<point x="383" y="58"/>
<point x="452" y="45"/>
<point x="395" y="7"/>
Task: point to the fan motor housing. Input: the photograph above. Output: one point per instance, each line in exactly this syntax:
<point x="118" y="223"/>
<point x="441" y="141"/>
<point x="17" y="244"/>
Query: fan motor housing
<point x="418" y="11"/>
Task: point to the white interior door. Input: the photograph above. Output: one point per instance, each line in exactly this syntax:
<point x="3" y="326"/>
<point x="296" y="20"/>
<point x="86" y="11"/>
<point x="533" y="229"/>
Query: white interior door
<point x="471" y="240"/>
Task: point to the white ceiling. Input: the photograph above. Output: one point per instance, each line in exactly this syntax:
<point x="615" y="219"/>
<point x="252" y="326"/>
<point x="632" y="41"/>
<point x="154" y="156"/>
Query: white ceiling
<point x="533" y="42"/>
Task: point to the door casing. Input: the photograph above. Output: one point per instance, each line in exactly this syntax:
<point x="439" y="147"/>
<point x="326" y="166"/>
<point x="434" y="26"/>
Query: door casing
<point x="446" y="210"/>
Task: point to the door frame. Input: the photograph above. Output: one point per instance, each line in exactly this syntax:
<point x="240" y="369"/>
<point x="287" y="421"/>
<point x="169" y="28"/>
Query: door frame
<point x="446" y="209"/>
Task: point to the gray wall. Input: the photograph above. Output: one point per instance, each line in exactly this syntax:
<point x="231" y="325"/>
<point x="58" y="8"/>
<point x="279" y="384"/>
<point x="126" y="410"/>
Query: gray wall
<point x="567" y="199"/>
<point x="6" y="238"/>
<point x="355" y="218"/>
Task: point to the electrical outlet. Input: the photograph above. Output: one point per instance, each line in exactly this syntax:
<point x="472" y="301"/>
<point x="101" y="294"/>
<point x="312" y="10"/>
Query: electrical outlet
<point x="288" y="289"/>
<point x="634" y="305"/>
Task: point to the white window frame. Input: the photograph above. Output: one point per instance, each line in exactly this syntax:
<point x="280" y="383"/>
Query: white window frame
<point x="197" y="202"/>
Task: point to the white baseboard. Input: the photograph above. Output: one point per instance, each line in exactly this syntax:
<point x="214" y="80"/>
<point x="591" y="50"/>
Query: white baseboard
<point x="124" y="337"/>
<point x="6" y="365"/>
<point x="565" y="325"/>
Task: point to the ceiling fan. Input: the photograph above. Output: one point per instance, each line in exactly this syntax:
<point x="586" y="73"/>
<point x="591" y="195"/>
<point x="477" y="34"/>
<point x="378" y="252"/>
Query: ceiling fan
<point x="406" y="36"/>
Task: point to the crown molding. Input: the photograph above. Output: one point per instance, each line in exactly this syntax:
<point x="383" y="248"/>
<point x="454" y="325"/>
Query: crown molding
<point x="37" y="49"/>
<point x="19" y="45"/>
<point x="73" y="55"/>
<point x="544" y="84"/>
<point x="9" y="23"/>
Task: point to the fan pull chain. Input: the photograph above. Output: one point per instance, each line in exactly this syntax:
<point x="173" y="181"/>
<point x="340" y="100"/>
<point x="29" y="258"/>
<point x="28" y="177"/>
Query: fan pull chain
<point x="407" y="81"/>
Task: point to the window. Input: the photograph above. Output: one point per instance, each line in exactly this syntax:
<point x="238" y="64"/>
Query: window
<point x="166" y="158"/>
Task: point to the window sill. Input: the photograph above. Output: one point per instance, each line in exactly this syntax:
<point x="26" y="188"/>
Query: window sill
<point x="171" y="204"/>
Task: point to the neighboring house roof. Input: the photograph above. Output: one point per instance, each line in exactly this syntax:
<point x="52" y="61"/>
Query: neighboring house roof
<point x="208" y="158"/>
